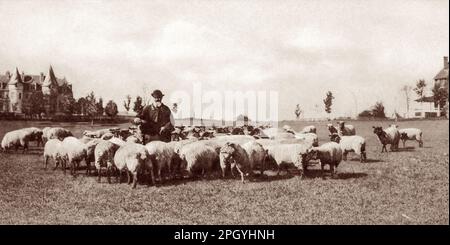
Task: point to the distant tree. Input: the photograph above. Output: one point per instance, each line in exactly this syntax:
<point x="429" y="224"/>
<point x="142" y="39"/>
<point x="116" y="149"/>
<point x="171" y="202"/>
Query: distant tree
<point x="68" y="104"/>
<point x="407" y="90"/>
<point x="365" y="113"/>
<point x="138" y="106"/>
<point x="90" y="106"/>
<point x="440" y="97"/>
<point x="111" y="109"/>
<point x="100" y="108"/>
<point x="242" y="118"/>
<point x="126" y="103"/>
<point x="378" y="110"/>
<point x="37" y="103"/>
<point x="298" y="111"/>
<point x="328" y="101"/>
<point x="80" y="106"/>
<point x="420" y="88"/>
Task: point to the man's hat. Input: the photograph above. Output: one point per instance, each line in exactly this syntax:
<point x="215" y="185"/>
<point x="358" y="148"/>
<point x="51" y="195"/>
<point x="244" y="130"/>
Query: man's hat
<point x="157" y="94"/>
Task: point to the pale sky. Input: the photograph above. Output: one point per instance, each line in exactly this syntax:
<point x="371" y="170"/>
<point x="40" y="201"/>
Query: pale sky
<point x="363" y="51"/>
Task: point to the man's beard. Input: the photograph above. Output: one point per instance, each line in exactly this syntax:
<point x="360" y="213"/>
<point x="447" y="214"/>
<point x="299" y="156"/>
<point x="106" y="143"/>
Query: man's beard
<point x="158" y="103"/>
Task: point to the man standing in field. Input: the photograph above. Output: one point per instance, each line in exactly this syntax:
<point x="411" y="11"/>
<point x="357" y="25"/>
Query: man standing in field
<point x="157" y="120"/>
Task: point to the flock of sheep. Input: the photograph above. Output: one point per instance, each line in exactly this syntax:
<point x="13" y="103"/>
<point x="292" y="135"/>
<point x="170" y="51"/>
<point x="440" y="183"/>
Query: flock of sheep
<point x="197" y="151"/>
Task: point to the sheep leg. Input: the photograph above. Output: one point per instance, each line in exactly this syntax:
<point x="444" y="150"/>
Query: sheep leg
<point x="99" y="174"/>
<point x="134" y="179"/>
<point x="403" y="141"/>
<point x="152" y="178"/>
<point x="119" y="176"/>
<point x="322" y="166"/>
<point x="128" y="177"/>
<point x="108" y="174"/>
<point x="45" y="162"/>
<point x="240" y="172"/>
<point x="333" y="171"/>
<point x="344" y="155"/>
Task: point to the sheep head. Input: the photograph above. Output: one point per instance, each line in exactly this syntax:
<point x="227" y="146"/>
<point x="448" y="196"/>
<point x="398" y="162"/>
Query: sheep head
<point x="335" y="137"/>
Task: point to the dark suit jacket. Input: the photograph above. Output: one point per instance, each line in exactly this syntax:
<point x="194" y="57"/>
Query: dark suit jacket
<point x="155" y="118"/>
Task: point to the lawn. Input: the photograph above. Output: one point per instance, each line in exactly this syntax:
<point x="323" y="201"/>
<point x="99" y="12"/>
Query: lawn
<point x="406" y="187"/>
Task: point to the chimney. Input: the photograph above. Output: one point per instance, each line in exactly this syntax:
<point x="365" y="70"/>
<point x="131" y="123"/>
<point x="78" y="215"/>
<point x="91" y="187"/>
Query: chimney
<point x="445" y="62"/>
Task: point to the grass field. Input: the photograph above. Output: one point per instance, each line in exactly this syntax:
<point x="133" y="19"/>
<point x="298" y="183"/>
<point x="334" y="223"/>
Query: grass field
<point x="406" y="187"/>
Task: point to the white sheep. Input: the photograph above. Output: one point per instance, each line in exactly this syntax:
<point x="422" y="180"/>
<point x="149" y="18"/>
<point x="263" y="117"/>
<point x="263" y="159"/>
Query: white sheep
<point x="134" y="159"/>
<point x="56" y="133"/>
<point x="309" y="138"/>
<point x="134" y="139"/>
<point x="353" y="143"/>
<point x="15" y="139"/>
<point x="309" y="129"/>
<point x="104" y="157"/>
<point x="256" y="154"/>
<point x="90" y="148"/>
<point x="97" y="133"/>
<point x="36" y="135"/>
<point x="329" y="154"/>
<point x="73" y="152"/>
<point x="107" y="136"/>
<point x="287" y="154"/>
<point x="233" y="156"/>
<point x="197" y="158"/>
<point x="387" y="136"/>
<point x="411" y="134"/>
<point x="52" y="150"/>
<point x="161" y="154"/>
<point x="345" y="130"/>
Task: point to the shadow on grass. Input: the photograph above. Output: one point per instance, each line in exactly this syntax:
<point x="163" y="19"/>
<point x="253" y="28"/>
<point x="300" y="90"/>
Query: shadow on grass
<point x="367" y="160"/>
<point x="407" y="148"/>
<point x="317" y="173"/>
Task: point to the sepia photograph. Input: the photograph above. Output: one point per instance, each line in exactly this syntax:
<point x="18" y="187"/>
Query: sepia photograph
<point x="224" y="112"/>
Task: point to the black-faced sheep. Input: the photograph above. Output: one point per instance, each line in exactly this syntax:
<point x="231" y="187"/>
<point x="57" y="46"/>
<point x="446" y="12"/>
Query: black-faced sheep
<point x="387" y="136"/>
<point x="353" y="143"/>
<point x="329" y="154"/>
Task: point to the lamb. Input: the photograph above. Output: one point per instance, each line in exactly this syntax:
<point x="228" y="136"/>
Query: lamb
<point x="344" y="130"/>
<point x="387" y="136"/>
<point x="74" y="151"/>
<point x="285" y="154"/>
<point x="233" y="156"/>
<point x="15" y="139"/>
<point x="329" y="154"/>
<point x="411" y="134"/>
<point x="52" y="150"/>
<point x="161" y="154"/>
<point x="198" y="158"/>
<point x="352" y="143"/>
<point x="135" y="160"/>
<point x="104" y="155"/>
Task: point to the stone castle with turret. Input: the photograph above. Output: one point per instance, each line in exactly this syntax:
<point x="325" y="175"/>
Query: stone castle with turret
<point x="18" y="91"/>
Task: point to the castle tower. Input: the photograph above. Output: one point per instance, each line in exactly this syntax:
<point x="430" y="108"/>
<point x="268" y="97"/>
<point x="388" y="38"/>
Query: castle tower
<point x="50" y="91"/>
<point x="15" y="94"/>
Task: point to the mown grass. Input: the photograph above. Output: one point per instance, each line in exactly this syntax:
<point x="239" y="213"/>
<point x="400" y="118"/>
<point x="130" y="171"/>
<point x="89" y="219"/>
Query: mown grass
<point x="406" y="187"/>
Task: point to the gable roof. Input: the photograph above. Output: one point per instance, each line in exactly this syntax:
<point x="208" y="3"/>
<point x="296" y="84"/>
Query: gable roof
<point x="443" y="74"/>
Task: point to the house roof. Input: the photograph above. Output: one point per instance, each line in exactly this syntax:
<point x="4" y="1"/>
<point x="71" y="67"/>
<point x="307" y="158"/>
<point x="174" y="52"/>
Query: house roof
<point x="34" y="79"/>
<point x="443" y="74"/>
<point x="426" y="99"/>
